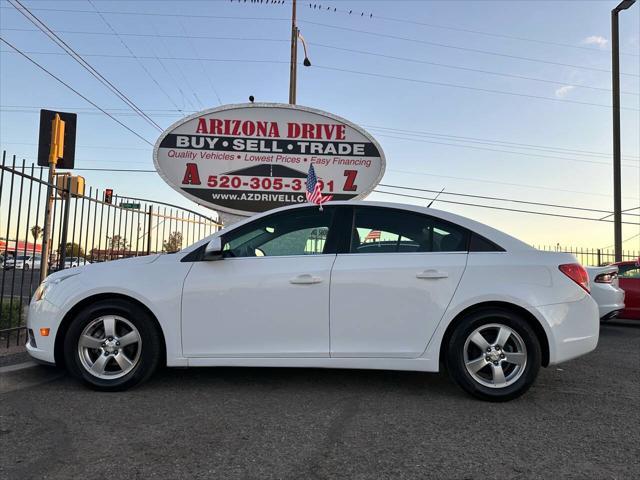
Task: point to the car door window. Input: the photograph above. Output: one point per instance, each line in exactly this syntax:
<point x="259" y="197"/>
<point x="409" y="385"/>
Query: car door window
<point x="296" y="232"/>
<point x="385" y="230"/>
<point x="629" y="272"/>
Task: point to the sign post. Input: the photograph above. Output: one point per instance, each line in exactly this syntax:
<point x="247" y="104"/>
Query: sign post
<point x="56" y="148"/>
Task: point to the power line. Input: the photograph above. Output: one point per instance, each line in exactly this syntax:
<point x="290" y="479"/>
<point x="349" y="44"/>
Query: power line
<point x="466" y="49"/>
<point x="495" y="182"/>
<point x="157" y="14"/>
<point x="467" y="69"/>
<point x="429" y="25"/>
<point x="428" y="198"/>
<point x="142" y="65"/>
<point x="371" y="74"/>
<point x="78" y="58"/>
<point x="456" y="138"/>
<point x="593" y="162"/>
<point x="75" y="91"/>
<point x="421" y="133"/>
<point x="334" y="47"/>
<point x="167" y="70"/>
<point x="105" y="147"/>
<point x="501" y="208"/>
<point x="486" y="141"/>
<point x="499" y="35"/>
<point x="502" y="199"/>
<point x="466" y="30"/>
<point x="624" y="241"/>
<point x="466" y="87"/>
<point x="158" y="35"/>
<point x="204" y="70"/>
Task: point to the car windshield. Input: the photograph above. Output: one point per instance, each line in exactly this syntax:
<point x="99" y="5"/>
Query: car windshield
<point x="23" y="257"/>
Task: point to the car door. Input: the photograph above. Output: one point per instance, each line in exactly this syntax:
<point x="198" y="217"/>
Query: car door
<point x="269" y="295"/>
<point x="392" y="287"/>
<point x="629" y="281"/>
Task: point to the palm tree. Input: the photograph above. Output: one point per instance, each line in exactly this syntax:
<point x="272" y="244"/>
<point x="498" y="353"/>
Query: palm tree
<point x="36" y="232"/>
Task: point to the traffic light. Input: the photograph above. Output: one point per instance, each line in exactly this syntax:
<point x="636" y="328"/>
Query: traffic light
<point x="57" y="139"/>
<point x="108" y="195"/>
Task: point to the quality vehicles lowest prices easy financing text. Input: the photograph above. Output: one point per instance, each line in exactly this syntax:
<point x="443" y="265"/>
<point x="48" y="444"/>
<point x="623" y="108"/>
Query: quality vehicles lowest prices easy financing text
<point x="355" y="285"/>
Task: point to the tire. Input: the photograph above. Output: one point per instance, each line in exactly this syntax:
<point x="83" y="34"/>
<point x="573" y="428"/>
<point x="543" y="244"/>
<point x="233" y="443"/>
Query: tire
<point x="112" y="345"/>
<point x="26" y="266"/>
<point x="477" y="370"/>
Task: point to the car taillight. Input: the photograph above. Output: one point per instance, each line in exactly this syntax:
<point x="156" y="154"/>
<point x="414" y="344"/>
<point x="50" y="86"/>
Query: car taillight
<point x="577" y="273"/>
<point x="605" y="278"/>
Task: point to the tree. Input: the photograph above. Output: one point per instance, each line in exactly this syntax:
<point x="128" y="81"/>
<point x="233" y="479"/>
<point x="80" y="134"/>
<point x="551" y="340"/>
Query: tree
<point x="117" y="242"/>
<point x="73" y="250"/>
<point x="173" y="243"/>
<point x="36" y="232"/>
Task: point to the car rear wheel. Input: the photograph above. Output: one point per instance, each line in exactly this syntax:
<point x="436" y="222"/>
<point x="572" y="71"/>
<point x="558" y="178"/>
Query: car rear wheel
<point x="112" y="345"/>
<point x="494" y="355"/>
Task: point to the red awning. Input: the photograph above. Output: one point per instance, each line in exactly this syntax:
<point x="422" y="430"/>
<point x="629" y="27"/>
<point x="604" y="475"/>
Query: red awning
<point x="21" y="247"/>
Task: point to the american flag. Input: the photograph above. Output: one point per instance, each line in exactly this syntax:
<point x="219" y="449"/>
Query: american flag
<point x="314" y="195"/>
<point x="373" y="235"/>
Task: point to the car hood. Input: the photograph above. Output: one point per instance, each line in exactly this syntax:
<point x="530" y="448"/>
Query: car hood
<point x="121" y="262"/>
<point x="101" y="266"/>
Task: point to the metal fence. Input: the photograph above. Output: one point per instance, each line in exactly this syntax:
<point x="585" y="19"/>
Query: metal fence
<point x="84" y="229"/>
<point x="593" y="257"/>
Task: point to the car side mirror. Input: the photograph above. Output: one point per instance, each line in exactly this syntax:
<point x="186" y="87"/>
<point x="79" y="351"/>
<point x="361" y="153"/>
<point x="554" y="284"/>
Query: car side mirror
<point x="213" y="250"/>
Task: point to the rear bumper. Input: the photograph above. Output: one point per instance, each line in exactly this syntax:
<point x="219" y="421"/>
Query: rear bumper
<point x="610" y="299"/>
<point x="610" y="315"/>
<point x="573" y="328"/>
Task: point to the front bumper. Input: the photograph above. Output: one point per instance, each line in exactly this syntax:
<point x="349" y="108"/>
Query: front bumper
<point x="42" y="314"/>
<point x="573" y="328"/>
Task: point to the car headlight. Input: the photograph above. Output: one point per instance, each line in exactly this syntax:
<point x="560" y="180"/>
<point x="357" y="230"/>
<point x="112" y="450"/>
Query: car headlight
<point x="47" y="285"/>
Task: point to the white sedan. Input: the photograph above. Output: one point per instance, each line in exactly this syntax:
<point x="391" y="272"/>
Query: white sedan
<point x="355" y="285"/>
<point x="606" y="291"/>
<point x="26" y="262"/>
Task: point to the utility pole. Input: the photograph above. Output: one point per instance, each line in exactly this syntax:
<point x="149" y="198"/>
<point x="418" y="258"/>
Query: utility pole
<point x="56" y="151"/>
<point x="615" y="88"/>
<point x="294" y="55"/>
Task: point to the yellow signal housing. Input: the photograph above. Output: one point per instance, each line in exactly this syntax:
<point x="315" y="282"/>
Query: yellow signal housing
<point x="56" y="150"/>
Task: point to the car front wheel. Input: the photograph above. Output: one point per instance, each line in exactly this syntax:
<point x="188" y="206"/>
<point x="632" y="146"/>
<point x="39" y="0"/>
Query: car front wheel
<point x="494" y="355"/>
<point x="112" y="345"/>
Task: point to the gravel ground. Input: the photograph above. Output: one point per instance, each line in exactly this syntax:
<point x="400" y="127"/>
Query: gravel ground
<point x="580" y="421"/>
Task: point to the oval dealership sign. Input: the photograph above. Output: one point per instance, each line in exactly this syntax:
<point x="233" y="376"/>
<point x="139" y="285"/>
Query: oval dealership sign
<point x="249" y="158"/>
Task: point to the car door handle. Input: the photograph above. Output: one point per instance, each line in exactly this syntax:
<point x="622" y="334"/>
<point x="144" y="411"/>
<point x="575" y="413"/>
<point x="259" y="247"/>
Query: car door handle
<point x="305" y="279"/>
<point x="432" y="274"/>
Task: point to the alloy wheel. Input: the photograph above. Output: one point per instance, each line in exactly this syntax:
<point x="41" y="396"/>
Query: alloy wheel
<point x="495" y="355"/>
<point x="109" y="347"/>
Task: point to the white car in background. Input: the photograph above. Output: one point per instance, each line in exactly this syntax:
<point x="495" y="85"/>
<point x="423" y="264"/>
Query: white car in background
<point x="304" y="287"/>
<point x="75" y="262"/>
<point x="25" y="262"/>
<point x="605" y="290"/>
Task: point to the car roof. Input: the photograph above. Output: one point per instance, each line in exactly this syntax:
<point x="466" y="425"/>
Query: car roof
<point x="505" y="240"/>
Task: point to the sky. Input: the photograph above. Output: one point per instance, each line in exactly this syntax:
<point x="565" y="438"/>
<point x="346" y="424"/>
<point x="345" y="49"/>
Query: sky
<point x="440" y="84"/>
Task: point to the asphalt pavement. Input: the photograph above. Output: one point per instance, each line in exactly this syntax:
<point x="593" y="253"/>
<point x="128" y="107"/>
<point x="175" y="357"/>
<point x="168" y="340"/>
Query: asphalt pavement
<point x="580" y="421"/>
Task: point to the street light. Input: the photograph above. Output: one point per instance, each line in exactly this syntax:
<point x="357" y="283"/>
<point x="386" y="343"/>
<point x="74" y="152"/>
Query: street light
<point x="617" y="175"/>
<point x="295" y="35"/>
<point x="306" y="61"/>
